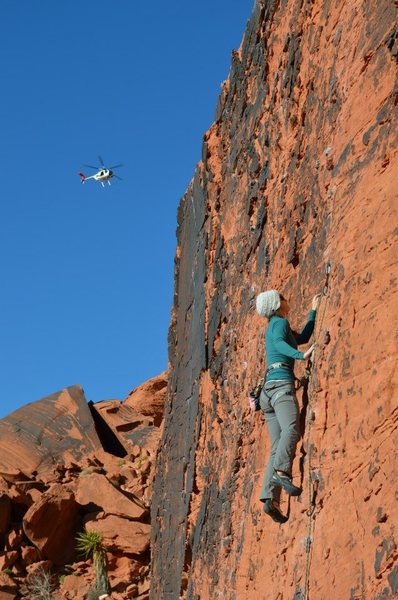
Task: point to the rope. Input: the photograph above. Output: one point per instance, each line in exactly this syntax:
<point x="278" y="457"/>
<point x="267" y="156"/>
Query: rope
<point x="313" y="486"/>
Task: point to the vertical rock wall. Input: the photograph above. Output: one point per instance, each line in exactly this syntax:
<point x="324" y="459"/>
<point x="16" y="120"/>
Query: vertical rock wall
<point x="299" y="169"/>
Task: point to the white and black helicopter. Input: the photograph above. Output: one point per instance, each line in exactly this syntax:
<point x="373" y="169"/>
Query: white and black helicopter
<point x="103" y="173"/>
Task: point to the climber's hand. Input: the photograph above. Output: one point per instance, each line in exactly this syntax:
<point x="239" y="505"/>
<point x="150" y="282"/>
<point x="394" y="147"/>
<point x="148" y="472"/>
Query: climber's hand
<point x="315" y="301"/>
<point x="307" y="353"/>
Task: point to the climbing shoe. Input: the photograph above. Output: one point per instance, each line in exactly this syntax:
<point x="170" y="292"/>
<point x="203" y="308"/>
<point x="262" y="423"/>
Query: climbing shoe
<point x="285" y="482"/>
<point x="272" y="509"/>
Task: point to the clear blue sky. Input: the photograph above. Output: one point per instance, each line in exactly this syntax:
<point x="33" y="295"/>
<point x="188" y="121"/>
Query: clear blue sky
<point x="87" y="273"/>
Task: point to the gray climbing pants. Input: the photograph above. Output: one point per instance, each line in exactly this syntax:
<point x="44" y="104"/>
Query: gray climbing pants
<point x="279" y="405"/>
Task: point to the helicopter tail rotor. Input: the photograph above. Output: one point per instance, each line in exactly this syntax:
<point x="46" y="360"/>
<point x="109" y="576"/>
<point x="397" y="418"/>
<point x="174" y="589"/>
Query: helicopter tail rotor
<point x="82" y="177"/>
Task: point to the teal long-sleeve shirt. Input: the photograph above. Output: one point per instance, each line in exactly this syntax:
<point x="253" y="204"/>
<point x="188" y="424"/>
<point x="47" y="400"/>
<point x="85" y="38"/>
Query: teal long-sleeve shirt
<point x="281" y="345"/>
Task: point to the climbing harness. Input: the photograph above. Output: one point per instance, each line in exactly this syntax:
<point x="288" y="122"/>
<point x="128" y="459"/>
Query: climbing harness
<point x="277" y="365"/>
<point x="254" y="394"/>
<point x="308" y="380"/>
<point x="282" y="365"/>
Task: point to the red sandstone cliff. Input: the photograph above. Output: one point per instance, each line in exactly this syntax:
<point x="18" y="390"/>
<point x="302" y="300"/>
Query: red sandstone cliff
<point x="298" y="169"/>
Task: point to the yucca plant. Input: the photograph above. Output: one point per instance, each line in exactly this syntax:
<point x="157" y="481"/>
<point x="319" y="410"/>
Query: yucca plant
<point x="89" y="543"/>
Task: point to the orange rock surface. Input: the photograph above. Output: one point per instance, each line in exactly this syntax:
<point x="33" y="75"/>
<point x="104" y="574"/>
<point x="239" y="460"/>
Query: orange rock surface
<point x="97" y="491"/>
<point x="298" y="170"/>
<point x="129" y="537"/>
<point x="154" y="389"/>
<point x="51" y="522"/>
<point x="36" y="436"/>
<point x="66" y="464"/>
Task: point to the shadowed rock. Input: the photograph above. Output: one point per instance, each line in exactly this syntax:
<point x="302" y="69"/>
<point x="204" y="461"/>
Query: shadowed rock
<point x="137" y="419"/>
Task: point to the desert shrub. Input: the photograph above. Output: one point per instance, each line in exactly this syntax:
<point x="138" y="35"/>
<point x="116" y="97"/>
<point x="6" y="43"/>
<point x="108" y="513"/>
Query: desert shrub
<point x="39" y="586"/>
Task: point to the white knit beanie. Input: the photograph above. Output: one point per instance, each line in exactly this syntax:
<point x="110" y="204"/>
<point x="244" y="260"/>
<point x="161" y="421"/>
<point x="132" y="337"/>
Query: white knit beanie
<point x="267" y="303"/>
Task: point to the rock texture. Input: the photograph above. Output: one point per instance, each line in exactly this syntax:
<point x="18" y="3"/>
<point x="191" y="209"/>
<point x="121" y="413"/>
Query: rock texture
<point x="34" y="438"/>
<point x="297" y="171"/>
<point x="51" y="523"/>
<point x="74" y="467"/>
<point x="135" y="421"/>
<point x="154" y="389"/>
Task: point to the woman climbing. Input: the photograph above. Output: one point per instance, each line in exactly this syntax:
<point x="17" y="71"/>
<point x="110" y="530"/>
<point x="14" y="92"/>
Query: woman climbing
<point x="278" y="398"/>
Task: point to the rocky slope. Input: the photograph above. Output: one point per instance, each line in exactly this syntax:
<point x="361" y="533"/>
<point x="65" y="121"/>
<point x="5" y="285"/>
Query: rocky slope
<point x="66" y="466"/>
<point x="298" y="171"/>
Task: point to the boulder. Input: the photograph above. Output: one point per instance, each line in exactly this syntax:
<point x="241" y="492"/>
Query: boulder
<point x="30" y="554"/>
<point x="95" y="489"/>
<point x="121" y="535"/>
<point x="38" y="568"/>
<point x="14" y="539"/>
<point x="122" y="571"/>
<point x="121" y="425"/>
<point x="149" y="398"/>
<point x="134" y="421"/>
<point x="49" y="431"/>
<point x="75" y="587"/>
<point x="51" y="523"/>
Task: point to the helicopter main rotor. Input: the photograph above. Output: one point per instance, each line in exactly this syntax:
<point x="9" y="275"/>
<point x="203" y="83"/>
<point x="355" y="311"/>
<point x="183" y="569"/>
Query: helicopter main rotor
<point x="102" y="165"/>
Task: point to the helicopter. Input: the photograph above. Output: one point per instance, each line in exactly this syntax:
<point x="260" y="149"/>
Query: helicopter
<point x="102" y="174"/>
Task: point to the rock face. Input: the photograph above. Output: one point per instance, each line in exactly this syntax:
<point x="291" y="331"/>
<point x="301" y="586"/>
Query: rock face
<point x="298" y="172"/>
<point x="37" y="436"/>
<point x="74" y="467"/>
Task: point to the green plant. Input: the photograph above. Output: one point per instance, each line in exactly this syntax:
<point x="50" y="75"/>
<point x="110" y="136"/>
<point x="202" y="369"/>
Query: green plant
<point x="89" y="543"/>
<point x="9" y="571"/>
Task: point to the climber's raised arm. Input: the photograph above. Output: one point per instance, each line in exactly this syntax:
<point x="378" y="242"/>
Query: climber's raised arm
<point x="304" y="336"/>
